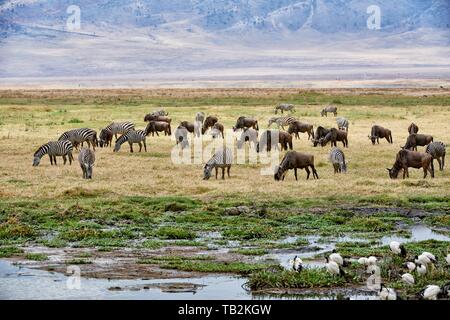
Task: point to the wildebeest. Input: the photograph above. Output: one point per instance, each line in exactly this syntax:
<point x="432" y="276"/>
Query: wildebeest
<point x="181" y="136"/>
<point x="250" y="135"/>
<point x="160" y="112"/>
<point x="208" y="123"/>
<point x="297" y="126"/>
<point x="105" y="138"/>
<point x="327" y="109"/>
<point x="411" y="159"/>
<point x="378" y="132"/>
<point x="321" y="132"/>
<point x="284" y="107"/>
<point x="188" y="125"/>
<point x="413" y="128"/>
<point x="217" y="130"/>
<point x="269" y="139"/>
<point x="437" y="150"/>
<point x="245" y="122"/>
<point x="417" y="139"/>
<point x="158" y="126"/>
<point x="295" y="160"/>
<point x="335" y="135"/>
<point x="151" y="117"/>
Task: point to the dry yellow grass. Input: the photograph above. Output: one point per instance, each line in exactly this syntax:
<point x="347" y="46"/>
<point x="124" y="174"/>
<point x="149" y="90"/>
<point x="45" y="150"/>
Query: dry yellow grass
<point x="24" y="127"/>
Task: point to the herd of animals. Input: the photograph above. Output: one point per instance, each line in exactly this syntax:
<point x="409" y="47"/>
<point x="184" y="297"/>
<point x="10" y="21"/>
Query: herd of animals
<point x="419" y="264"/>
<point x="159" y="122"/>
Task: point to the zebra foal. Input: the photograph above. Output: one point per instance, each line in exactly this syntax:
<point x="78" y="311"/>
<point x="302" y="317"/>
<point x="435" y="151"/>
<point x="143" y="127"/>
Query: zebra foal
<point x="281" y="121"/>
<point x="54" y="149"/>
<point x="86" y="158"/>
<point x="337" y="159"/>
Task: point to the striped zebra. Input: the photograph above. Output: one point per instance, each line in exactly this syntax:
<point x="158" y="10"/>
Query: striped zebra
<point x="223" y="158"/>
<point x="78" y="136"/>
<point x="337" y="159"/>
<point x="120" y="127"/>
<point x="281" y="121"/>
<point x="86" y="158"/>
<point x="53" y="149"/>
<point x="132" y="136"/>
<point x="329" y="109"/>
<point x="437" y="150"/>
<point x="342" y="124"/>
<point x="284" y="107"/>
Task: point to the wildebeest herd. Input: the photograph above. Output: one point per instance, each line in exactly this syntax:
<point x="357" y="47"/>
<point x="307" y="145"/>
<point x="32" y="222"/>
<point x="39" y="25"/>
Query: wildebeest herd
<point x="160" y="122"/>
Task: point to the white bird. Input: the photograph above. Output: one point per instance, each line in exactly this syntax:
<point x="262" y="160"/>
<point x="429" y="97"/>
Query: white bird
<point x="296" y="264"/>
<point x="372" y="260"/>
<point x="397" y="248"/>
<point x="363" y="261"/>
<point x="447" y="258"/>
<point x="421" y="269"/>
<point x="336" y="257"/>
<point x="430" y="292"/>
<point x="411" y="266"/>
<point x="387" y="293"/>
<point x="333" y="267"/>
<point x="408" y="278"/>
<point x="422" y="259"/>
<point x="430" y="256"/>
<point x="372" y="269"/>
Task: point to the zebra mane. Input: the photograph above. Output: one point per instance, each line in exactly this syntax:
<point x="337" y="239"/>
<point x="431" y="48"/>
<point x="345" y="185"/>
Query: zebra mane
<point x="41" y="150"/>
<point x="122" y="139"/>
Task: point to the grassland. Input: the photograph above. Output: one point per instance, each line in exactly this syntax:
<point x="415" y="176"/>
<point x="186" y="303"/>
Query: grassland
<point x="167" y="214"/>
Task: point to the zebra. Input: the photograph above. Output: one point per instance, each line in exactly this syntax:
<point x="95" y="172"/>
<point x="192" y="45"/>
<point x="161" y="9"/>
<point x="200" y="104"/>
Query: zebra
<point x="437" y="150"/>
<point x="331" y="109"/>
<point x="342" y="123"/>
<point x="53" y="149"/>
<point x="132" y="136"/>
<point x="223" y="158"/>
<point x="250" y="135"/>
<point x="337" y="159"/>
<point x="77" y="136"/>
<point x="86" y="158"/>
<point x="120" y="127"/>
<point x="281" y="121"/>
<point x="284" y="107"/>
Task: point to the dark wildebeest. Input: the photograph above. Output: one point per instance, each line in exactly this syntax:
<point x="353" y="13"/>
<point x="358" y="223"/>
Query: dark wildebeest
<point x="417" y="139"/>
<point x="151" y="117"/>
<point x="378" y="132"/>
<point x="413" y="128"/>
<point x="335" y="135"/>
<point x="208" y="123"/>
<point x="295" y="160"/>
<point x="217" y="130"/>
<point x="245" y="122"/>
<point x="321" y="132"/>
<point x="105" y="138"/>
<point x="189" y="126"/>
<point x="158" y="126"/>
<point x="297" y="126"/>
<point x="269" y="140"/>
<point x="411" y="159"/>
<point x="327" y="109"/>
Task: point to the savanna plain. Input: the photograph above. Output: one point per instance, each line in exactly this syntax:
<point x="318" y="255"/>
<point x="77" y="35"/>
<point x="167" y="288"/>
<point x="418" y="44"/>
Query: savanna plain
<point x="151" y="218"/>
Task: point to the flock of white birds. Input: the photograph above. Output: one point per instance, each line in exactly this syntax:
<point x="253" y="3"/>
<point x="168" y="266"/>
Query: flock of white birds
<point x="421" y="265"/>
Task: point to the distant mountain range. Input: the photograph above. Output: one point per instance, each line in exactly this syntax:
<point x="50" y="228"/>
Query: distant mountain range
<point x="159" y="36"/>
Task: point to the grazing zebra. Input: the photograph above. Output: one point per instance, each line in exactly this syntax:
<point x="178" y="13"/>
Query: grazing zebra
<point x="342" y="124"/>
<point x="337" y="159"/>
<point x="120" y="127"/>
<point x="281" y="121"/>
<point x="132" y="136"/>
<point x="437" y="150"/>
<point x="53" y="149"/>
<point x="284" y="107"/>
<point x="86" y="158"/>
<point x="223" y="158"/>
<point x="77" y="136"/>
<point x="331" y="109"/>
